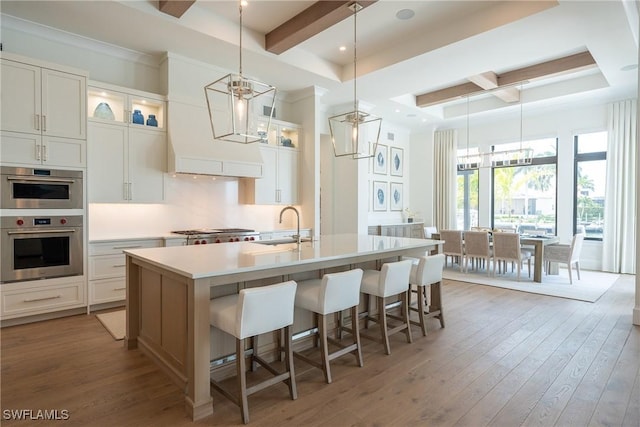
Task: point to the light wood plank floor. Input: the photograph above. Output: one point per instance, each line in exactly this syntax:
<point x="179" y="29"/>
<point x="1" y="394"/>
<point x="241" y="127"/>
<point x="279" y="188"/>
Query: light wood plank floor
<point x="505" y="358"/>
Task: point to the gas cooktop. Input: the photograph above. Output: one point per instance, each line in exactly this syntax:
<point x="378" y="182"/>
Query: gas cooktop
<point x="210" y="231"/>
<point x="204" y="236"/>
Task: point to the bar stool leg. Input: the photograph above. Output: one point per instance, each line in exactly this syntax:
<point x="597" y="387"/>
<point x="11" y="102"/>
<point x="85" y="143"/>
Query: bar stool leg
<point x="405" y="316"/>
<point x="291" y="382"/>
<point x="254" y="348"/>
<point x="242" y="379"/>
<point x="382" y="320"/>
<point x="324" y="347"/>
<point x="355" y="332"/>
<point x="421" y="300"/>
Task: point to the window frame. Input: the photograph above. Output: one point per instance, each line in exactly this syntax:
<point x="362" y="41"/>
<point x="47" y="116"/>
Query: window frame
<point x="577" y="158"/>
<point x="535" y="161"/>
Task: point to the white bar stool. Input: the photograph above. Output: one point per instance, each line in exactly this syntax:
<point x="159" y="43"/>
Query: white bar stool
<point x="332" y="294"/>
<point x="248" y="314"/>
<point x="426" y="272"/>
<point x="392" y="279"/>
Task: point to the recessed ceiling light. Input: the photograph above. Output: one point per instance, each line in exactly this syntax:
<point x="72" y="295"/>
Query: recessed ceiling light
<point x="629" y="67"/>
<point x="343" y="48"/>
<point x="405" y="14"/>
<point x="397" y="110"/>
<point x="244" y="3"/>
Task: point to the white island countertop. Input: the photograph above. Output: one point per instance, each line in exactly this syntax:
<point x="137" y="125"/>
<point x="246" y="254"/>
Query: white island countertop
<point x="201" y="261"/>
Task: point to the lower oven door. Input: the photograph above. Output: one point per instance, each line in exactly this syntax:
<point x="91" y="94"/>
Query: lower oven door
<point x="29" y="254"/>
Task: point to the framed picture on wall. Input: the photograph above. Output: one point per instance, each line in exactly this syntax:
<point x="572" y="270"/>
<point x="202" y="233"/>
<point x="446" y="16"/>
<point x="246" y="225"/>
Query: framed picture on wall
<point x="395" y="196"/>
<point x="379" y="196"/>
<point x="380" y="160"/>
<point x="397" y="161"/>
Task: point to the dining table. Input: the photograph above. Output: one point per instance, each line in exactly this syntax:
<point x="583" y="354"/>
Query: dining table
<point x="537" y="241"/>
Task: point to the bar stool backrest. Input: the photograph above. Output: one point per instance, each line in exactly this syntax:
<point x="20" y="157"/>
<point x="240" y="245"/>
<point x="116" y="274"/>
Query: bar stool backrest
<point x="340" y="291"/>
<point x="264" y="309"/>
<point x="394" y="277"/>
<point x="429" y="269"/>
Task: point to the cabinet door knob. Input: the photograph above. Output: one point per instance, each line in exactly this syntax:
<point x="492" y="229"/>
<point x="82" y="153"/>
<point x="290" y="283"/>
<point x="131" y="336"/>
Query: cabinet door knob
<point x="44" y="123"/>
<point x="37" y="122"/>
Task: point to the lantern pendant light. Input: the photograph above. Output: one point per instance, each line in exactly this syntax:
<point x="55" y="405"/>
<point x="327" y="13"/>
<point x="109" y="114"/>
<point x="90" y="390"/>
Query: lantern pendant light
<point x="234" y="101"/>
<point x="355" y="133"/>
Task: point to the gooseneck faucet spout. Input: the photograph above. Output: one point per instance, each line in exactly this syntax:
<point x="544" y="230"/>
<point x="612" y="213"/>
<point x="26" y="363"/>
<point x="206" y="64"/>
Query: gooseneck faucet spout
<point x="297" y="236"/>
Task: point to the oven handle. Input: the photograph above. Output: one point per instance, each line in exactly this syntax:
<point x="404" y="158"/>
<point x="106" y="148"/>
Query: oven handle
<point x="40" y="179"/>
<point x="40" y="231"/>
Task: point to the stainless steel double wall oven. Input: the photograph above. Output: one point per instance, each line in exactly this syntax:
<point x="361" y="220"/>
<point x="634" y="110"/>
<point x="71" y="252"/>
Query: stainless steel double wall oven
<point x="47" y="241"/>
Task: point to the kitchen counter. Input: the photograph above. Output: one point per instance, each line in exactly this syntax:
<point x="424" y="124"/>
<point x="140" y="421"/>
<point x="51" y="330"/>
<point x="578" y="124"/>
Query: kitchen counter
<point x="169" y="289"/>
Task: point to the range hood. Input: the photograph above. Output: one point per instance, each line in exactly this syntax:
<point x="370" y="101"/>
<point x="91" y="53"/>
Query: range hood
<point x="192" y="149"/>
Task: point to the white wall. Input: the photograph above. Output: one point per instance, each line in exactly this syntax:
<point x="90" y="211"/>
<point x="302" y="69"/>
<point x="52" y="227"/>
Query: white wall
<point x="558" y="123"/>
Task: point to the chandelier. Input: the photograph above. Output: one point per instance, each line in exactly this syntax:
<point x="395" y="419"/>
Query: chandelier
<point x="355" y="133"/>
<point x="234" y="101"/>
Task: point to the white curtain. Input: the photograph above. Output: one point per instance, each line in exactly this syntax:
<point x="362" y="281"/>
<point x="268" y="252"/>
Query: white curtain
<point x="445" y="179"/>
<point x="618" y="251"/>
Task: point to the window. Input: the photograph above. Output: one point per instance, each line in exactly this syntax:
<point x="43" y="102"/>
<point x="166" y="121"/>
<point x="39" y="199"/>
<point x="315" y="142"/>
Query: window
<point x="467" y="195"/>
<point x="590" y="178"/>
<point x="524" y="197"/>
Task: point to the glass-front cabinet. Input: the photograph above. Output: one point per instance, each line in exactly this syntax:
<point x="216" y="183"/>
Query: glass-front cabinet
<point x="109" y="104"/>
<point x="282" y="134"/>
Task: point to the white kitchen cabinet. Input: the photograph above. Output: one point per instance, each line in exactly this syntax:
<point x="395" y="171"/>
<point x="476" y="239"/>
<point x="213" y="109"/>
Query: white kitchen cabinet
<point x="125" y="164"/>
<point x="43" y="117"/>
<point x="279" y="182"/>
<point x="126" y="160"/>
<point x="107" y="268"/>
<point x="36" y="297"/>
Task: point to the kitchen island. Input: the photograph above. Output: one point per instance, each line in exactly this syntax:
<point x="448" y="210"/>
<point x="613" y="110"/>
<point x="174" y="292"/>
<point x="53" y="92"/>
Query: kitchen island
<point x="169" y="289"/>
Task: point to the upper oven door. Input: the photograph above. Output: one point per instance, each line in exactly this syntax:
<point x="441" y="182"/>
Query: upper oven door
<point x="24" y="188"/>
<point x="41" y="254"/>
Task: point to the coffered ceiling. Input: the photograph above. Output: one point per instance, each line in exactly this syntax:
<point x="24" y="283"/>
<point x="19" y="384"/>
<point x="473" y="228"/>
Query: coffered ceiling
<point x="414" y="72"/>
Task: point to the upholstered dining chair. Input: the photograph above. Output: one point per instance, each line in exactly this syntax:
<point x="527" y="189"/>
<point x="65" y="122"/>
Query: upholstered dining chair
<point x="476" y="248"/>
<point x="333" y="293"/>
<point x="452" y="246"/>
<point x="506" y="248"/>
<point x="247" y="314"/>
<point x="565" y="254"/>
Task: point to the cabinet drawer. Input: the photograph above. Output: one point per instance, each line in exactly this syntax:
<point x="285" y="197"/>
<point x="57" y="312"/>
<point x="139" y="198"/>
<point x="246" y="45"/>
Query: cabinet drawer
<point x="39" y="300"/>
<point x="108" y="290"/>
<point x="107" y="266"/>
<point x="117" y="246"/>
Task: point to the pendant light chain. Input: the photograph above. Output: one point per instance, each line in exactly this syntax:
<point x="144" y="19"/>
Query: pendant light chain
<point x="240" y="7"/>
<point x="355" y="55"/>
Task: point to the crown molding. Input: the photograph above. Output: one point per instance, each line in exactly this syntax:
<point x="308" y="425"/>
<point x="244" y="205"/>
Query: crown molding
<point x="78" y="41"/>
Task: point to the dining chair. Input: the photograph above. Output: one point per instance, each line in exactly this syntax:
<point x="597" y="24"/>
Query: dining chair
<point x="247" y="314"/>
<point x="506" y="247"/>
<point x="452" y="246"/>
<point x="565" y="254"/>
<point x="476" y="248"/>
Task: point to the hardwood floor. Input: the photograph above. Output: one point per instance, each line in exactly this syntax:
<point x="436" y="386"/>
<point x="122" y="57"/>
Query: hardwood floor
<point x="505" y="358"/>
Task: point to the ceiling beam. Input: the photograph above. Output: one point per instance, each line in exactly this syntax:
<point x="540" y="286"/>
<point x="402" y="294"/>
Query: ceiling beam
<point x="175" y="8"/>
<point x="571" y="63"/>
<point x="311" y="21"/>
<point x="567" y="64"/>
<point x="489" y="81"/>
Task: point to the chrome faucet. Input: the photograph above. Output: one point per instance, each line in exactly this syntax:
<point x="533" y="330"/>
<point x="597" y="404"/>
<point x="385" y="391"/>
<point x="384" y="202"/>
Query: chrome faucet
<point x="297" y="236"/>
